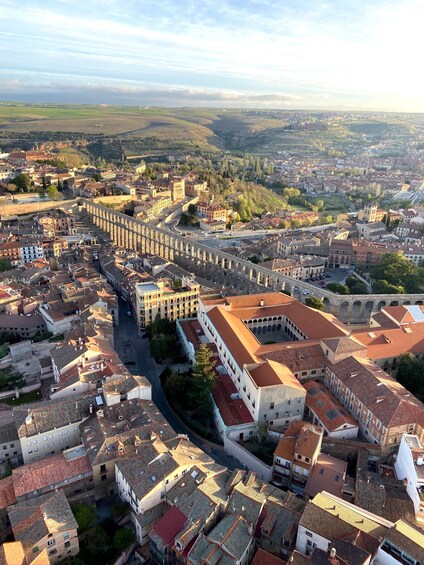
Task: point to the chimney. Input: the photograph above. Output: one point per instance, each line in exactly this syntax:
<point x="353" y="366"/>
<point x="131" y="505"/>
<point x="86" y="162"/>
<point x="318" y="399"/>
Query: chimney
<point x="262" y="302"/>
<point x="333" y="552"/>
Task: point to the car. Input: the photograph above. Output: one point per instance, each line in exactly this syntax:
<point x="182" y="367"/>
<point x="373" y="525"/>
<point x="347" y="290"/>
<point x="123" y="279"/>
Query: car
<point x="306" y="292"/>
<point x="322" y="283"/>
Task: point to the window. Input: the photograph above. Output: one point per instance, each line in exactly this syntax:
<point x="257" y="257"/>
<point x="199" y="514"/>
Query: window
<point x="35" y="549"/>
<point x="67" y="544"/>
<point x="66" y="535"/>
<point x="309" y="534"/>
<point x="103" y="468"/>
<point x="271" y="406"/>
<point x="51" y="542"/>
<point x="53" y="552"/>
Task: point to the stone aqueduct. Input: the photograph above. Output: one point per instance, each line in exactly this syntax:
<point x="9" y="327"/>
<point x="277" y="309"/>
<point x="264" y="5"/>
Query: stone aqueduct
<point x="225" y="269"/>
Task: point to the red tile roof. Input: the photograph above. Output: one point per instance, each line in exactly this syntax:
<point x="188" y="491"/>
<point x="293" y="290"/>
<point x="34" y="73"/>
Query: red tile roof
<point x="233" y="412"/>
<point x="171" y="523"/>
<point x="327" y="408"/>
<point x="48" y="472"/>
<point x="262" y="557"/>
<point x="271" y="373"/>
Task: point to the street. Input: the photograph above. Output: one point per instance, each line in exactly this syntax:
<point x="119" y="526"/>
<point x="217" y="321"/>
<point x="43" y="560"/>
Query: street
<point x="132" y="347"/>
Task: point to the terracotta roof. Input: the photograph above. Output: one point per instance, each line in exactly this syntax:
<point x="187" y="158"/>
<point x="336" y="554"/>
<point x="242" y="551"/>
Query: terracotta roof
<point x="300" y="437"/>
<point x="262" y="557"/>
<point x="343" y="345"/>
<point x="271" y="373"/>
<point x="297" y="355"/>
<point x="387" y="399"/>
<point x="170" y="525"/>
<point x="7" y="493"/>
<point x="327" y="408"/>
<point x="327" y="474"/>
<point x="386" y="343"/>
<point x="233" y="412"/>
<point x="399" y="313"/>
<point x="242" y="343"/>
<point x="48" y="472"/>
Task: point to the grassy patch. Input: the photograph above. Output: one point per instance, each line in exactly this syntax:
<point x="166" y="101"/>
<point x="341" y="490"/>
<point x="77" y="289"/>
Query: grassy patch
<point x="33" y="396"/>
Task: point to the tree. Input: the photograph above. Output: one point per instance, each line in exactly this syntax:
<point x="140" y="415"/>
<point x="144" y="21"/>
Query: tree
<point x="120" y="510"/>
<point x="202" y="380"/>
<point x="162" y="346"/>
<point x="191" y="209"/>
<point x="314" y="302"/>
<point x="410" y="374"/>
<point x="96" y="539"/>
<point x="22" y="182"/>
<point x="123" y="539"/>
<point x="84" y="515"/>
<point x="399" y="271"/>
<point x="175" y="387"/>
<point x="5" y="265"/>
<point x="338" y="287"/>
<point x="53" y="192"/>
<point x="384" y="287"/>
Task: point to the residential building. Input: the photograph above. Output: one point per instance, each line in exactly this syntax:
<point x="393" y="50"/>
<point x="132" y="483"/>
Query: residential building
<point x="213" y="212"/>
<point x="50" y="427"/>
<point x="383" y="407"/>
<point x="404" y="543"/>
<point x="323" y="409"/>
<point x="117" y="432"/>
<point x="45" y="523"/>
<point x="409" y="467"/>
<point x="231" y="540"/>
<point x="25" y="327"/>
<point x="296" y="454"/>
<point x="145" y="479"/>
<point x="327" y="517"/>
<point x="161" y="299"/>
<point x="69" y="471"/>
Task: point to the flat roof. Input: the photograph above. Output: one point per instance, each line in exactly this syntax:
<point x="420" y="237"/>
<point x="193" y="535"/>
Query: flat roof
<point x="147" y="287"/>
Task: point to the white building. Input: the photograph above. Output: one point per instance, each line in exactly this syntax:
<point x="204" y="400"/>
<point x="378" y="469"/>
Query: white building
<point x="269" y="389"/>
<point x="50" y="427"/>
<point x="31" y="250"/>
<point x="409" y="467"/>
<point x="326" y="516"/>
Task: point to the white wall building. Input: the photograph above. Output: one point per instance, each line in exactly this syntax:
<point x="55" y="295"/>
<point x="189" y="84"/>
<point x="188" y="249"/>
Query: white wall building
<point x="409" y="467"/>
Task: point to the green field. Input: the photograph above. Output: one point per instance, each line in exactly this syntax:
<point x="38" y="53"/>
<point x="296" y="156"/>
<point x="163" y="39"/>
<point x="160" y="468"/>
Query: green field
<point x="139" y="130"/>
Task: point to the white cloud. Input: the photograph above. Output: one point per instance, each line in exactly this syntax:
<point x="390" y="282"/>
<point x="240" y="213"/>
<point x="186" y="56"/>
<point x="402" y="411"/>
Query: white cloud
<point x="350" y="50"/>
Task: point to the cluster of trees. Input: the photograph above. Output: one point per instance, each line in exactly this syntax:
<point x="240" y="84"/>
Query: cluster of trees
<point x="189" y="219"/>
<point x="163" y="338"/>
<point x="352" y="285"/>
<point x="100" y="540"/>
<point x="191" y="392"/>
<point x="410" y="374"/>
<point x="397" y="275"/>
<point x="314" y="302"/>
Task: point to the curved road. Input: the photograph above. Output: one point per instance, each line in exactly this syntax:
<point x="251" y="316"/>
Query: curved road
<point x="131" y="347"/>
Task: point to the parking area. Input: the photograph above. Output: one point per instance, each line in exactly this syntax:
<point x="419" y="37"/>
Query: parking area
<point x="329" y="276"/>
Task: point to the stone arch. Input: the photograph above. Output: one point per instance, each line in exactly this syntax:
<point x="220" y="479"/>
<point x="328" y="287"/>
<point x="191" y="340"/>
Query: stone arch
<point x="369" y="306"/>
<point x="381" y="304"/>
<point x="418" y="302"/>
<point x="394" y="303"/>
<point x="356" y="307"/>
<point x="344" y="307"/>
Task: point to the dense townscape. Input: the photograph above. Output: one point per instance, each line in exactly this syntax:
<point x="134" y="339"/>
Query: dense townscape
<point x="214" y="358"/>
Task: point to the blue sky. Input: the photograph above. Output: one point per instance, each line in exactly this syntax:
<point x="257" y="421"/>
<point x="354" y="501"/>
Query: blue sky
<point x="344" y="54"/>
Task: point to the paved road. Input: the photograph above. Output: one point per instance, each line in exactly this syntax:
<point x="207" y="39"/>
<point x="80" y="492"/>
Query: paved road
<point x="131" y="347"/>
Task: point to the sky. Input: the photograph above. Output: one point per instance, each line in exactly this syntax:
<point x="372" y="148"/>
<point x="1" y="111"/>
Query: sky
<point x="294" y="54"/>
